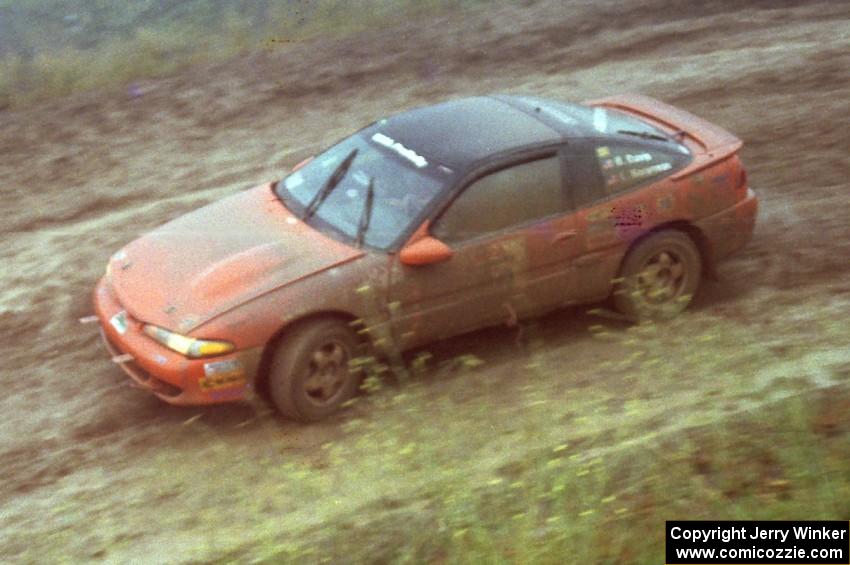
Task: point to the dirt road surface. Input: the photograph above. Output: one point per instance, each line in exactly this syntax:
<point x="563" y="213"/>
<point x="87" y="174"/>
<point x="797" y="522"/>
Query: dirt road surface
<point x="93" y="469"/>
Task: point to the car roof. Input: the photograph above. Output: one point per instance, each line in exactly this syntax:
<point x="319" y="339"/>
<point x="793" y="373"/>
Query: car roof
<point x="465" y="131"/>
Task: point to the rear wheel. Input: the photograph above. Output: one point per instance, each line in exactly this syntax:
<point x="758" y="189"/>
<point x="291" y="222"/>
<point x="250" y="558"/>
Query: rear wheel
<point x="659" y="276"/>
<point x="309" y="375"/>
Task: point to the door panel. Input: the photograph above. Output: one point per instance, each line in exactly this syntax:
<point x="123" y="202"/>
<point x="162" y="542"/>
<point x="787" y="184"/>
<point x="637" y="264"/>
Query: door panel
<point x="549" y="281"/>
<point x="487" y="282"/>
<point x="605" y="230"/>
<point x="431" y="302"/>
<point x="609" y="227"/>
<point x="513" y="241"/>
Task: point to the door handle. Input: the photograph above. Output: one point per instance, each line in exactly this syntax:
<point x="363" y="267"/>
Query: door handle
<point x="564" y="235"/>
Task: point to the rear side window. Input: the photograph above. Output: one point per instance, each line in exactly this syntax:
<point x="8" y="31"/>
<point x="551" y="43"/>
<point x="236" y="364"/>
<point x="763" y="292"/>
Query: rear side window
<point x="602" y="120"/>
<point x="509" y="197"/>
<point x="625" y="166"/>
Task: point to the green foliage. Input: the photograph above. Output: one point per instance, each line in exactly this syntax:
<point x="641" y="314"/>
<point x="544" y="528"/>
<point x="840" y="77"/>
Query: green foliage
<point x="602" y="507"/>
<point x="52" y="48"/>
<point x="601" y="495"/>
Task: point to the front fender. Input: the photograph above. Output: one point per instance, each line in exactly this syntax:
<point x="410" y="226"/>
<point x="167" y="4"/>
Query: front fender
<point x="356" y="290"/>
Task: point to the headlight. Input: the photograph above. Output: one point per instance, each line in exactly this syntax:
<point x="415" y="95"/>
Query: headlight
<point x="188" y="346"/>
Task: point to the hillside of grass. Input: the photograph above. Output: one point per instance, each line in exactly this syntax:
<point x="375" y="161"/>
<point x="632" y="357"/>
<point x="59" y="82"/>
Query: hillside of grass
<point x="782" y="461"/>
<point x="51" y="48"/>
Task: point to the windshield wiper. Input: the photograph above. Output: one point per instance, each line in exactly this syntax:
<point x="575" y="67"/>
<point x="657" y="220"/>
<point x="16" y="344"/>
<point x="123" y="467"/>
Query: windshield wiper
<point x="366" y="217"/>
<point x="643" y="134"/>
<point x="329" y="185"/>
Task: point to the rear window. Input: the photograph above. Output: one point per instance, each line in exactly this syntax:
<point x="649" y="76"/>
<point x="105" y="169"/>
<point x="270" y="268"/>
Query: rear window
<point x="602" y="121"/>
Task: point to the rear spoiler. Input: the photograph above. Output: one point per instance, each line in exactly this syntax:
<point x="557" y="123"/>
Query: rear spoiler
<point x="716" y="142"/>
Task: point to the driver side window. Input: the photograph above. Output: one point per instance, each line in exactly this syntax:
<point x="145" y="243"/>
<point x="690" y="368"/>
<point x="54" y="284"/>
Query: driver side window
<point x="508" y="197"/>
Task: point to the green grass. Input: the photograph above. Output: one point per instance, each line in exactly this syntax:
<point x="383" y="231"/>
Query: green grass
<point x="773" y="463"/>
<point x="602" y="492"/>
<point x="111" y="45"/>
<point x="463" y="463"/>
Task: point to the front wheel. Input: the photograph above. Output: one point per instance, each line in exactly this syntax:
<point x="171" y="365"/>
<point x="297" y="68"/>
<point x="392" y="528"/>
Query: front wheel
<point x="310" y="376"/>
<point x="659" y="276"/>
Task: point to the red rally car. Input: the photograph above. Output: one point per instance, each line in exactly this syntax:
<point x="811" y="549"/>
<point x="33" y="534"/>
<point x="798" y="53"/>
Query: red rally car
<point x="418" y="227"/>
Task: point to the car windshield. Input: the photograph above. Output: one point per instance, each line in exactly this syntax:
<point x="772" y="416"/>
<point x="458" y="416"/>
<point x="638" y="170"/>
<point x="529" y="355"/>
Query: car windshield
<point x="331" y="190"/>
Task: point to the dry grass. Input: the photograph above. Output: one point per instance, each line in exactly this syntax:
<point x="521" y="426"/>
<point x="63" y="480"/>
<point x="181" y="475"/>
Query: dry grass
<point x="164" y="47"/>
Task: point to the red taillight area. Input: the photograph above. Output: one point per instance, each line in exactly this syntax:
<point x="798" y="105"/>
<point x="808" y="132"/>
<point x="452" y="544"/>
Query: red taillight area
<point x="740" y="176"/>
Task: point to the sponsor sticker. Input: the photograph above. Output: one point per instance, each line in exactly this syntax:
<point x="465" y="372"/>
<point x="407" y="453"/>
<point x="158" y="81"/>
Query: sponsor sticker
<point x="405" y="152"/>
<point x="222" y="374"/>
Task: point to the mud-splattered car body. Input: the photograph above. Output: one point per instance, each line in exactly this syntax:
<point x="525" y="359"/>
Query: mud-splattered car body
<point x="530" y="205"/>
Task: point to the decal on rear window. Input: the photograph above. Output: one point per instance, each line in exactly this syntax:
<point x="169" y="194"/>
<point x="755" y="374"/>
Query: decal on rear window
<point x="623" y="166"/>
<point x="650" y="171"/>
<point x="600" y="120"/>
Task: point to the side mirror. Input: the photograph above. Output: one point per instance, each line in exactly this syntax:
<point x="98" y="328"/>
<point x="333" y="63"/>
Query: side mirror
<point x="425" y="251"/>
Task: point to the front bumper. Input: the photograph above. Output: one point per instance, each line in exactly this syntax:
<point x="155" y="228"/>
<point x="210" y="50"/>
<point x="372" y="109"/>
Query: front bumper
<point x="167" y="374"/>
<point x="731" y="229"/>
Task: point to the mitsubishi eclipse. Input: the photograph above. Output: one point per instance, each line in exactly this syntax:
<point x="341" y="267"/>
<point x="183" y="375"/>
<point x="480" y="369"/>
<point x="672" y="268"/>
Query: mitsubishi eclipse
<point x="422" y="226"/>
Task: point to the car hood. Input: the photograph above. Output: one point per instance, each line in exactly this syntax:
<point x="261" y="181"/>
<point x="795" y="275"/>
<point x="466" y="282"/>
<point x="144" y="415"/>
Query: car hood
<point x="204" y="263"/>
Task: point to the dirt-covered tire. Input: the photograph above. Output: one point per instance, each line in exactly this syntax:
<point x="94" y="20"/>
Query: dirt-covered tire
<point x="309" y="374"/>
<point x="659" y="276"/>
